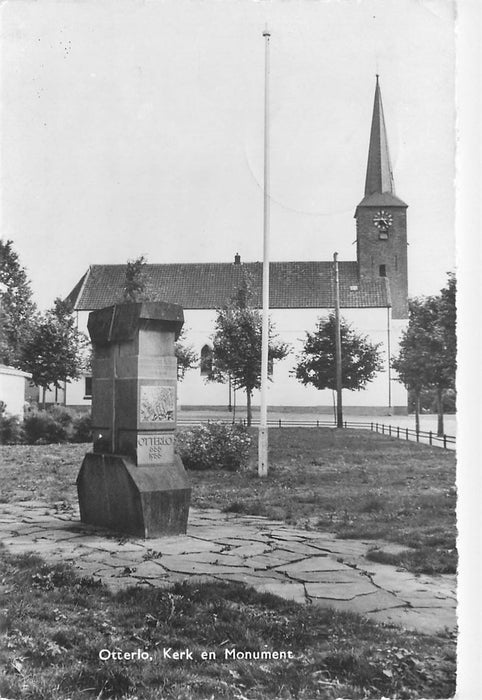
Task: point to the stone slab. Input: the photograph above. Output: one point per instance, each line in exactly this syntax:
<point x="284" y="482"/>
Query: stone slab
<point x="186" y="566"/>
<point x="250" y="550"/>
<point x="270" y="560"/>
<point x="299" y="548"/>
<point x="56" y="535"/>
<point x="100" y="556"/>
<point x="227" y="559"/>
<point x="251" y="580"/>
<point x="428" y="621"/>
<point x="226" y="534"/>
<point x="339" y="591"/>
<point x="111" y="545"/>
<point x="314" y="564"/>
<point x="339" y="576"/>
<point x="183" y="545"/>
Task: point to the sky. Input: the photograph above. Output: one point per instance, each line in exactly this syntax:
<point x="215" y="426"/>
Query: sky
<point x="136" y="128"/>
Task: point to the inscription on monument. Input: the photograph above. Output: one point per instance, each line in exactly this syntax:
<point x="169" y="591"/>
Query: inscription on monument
<point x="155" y="449"/>
<point x="157" y="404"/>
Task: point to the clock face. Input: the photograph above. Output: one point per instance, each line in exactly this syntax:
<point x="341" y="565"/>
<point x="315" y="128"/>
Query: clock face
<point x="383" y="220"/>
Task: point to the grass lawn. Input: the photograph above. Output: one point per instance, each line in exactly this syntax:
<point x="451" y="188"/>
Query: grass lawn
<point x="54" y="625"/>
<point x="356" y="484"/>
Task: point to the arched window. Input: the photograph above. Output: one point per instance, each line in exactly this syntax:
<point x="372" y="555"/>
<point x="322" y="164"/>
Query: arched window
<point x="206" y="360"/>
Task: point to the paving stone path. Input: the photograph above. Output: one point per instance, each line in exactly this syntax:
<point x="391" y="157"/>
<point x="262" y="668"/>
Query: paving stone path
<point x="305" y="566"/>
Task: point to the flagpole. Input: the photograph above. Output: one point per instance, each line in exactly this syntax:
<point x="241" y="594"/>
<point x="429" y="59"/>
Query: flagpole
<point x="263" y="418"/>
<point x="338" y="358"/>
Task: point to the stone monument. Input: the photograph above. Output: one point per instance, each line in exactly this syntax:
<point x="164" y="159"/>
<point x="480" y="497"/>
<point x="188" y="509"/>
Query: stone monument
<point x="133" y="481"/>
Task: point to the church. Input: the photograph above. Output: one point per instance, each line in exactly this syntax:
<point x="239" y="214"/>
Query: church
<point x="373" y="298"/>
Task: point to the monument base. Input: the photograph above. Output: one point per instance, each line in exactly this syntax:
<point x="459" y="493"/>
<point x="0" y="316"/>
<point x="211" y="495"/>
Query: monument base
<point x="140" y="501"/>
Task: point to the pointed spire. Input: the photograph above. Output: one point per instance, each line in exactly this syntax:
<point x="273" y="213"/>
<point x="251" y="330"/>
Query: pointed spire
<point x="379" y="177"/>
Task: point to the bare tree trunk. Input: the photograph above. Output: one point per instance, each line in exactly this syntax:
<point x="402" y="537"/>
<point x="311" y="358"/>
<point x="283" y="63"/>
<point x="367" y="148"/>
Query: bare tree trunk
<point x="440" y="412"/>
<point x="417" y="411"/>
<point x="248" y="408"/>
<point x="43" y="397"/>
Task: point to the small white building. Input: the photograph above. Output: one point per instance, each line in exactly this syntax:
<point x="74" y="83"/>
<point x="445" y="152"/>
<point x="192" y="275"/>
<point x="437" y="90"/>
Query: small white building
<point x="12" y="389"/>
<point x="373" y="297"/>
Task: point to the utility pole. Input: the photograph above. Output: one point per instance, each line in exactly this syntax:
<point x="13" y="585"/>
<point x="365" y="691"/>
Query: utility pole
<point x="389" y="353"/>
<point x="263" y="417"/>
<point x="339" y="405"/>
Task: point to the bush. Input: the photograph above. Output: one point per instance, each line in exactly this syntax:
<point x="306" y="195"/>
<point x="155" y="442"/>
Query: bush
<point x="10" y="430"/>
<point x="45" y="427"/>
<point x="214" y="446"/>
<point x="82" y="428"/>
<point x="63" y="415"/>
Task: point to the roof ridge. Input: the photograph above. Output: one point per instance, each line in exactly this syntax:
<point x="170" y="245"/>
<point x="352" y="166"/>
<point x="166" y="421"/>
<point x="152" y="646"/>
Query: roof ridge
<point x="247" y="262"/>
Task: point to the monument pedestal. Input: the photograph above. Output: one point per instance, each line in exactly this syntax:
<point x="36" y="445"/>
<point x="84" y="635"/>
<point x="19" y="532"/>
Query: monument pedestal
<point x="141" y="501"/>
<point x="133" y="482"/>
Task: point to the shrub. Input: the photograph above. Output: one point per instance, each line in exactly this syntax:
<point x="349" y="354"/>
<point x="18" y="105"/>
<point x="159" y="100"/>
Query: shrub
<point x="82" y="428"/>
<point x="214" y="446"/>
<point x="10" y="430"/>
<point x="63" y="415"/>
<point x="45" y="427"/>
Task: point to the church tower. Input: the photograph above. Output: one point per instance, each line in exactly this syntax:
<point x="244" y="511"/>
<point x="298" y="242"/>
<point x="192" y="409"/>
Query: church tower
<point x="381" y="219"/>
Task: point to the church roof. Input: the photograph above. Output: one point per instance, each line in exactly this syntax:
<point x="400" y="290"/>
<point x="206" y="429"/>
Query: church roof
<point x="379" y="176"/>
<point x="293" y="285"/>
<point x="382" y="199"/>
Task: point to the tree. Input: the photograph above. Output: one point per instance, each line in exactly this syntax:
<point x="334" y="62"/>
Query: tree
<point x="447" y="323"/>
<point x="237" y="345"/>
<point x="17" y="309"/>
<point x="55" y="351"/>
<point x="135" y="281"/>
<point x="444" y="359"/>
<point x="428" y="348"/>
<point x="360" y="359"/>
<point x="414" y="361"/>
<point x="185" y="354"/>
<point x="135" y="288"/>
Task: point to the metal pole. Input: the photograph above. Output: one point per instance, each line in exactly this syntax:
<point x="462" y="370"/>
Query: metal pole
<point x="263" y="416"/>
<point x="339" y="406"/>
<point x="389" y="364"/>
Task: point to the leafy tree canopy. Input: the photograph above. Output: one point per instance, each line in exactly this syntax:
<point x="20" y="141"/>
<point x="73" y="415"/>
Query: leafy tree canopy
<point x="135" y="289"/>
<point x="237" y="344"/>
<point x="185" y="354"/>
<point x="135" y="281"/>
<point x="414" y="363"/>
<point x="17" y="309"/>
<point x="361" y="359"/>
<point x="427" y="357"/>
<point x="56" y="351"/>
<point x="428" y="347"/>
